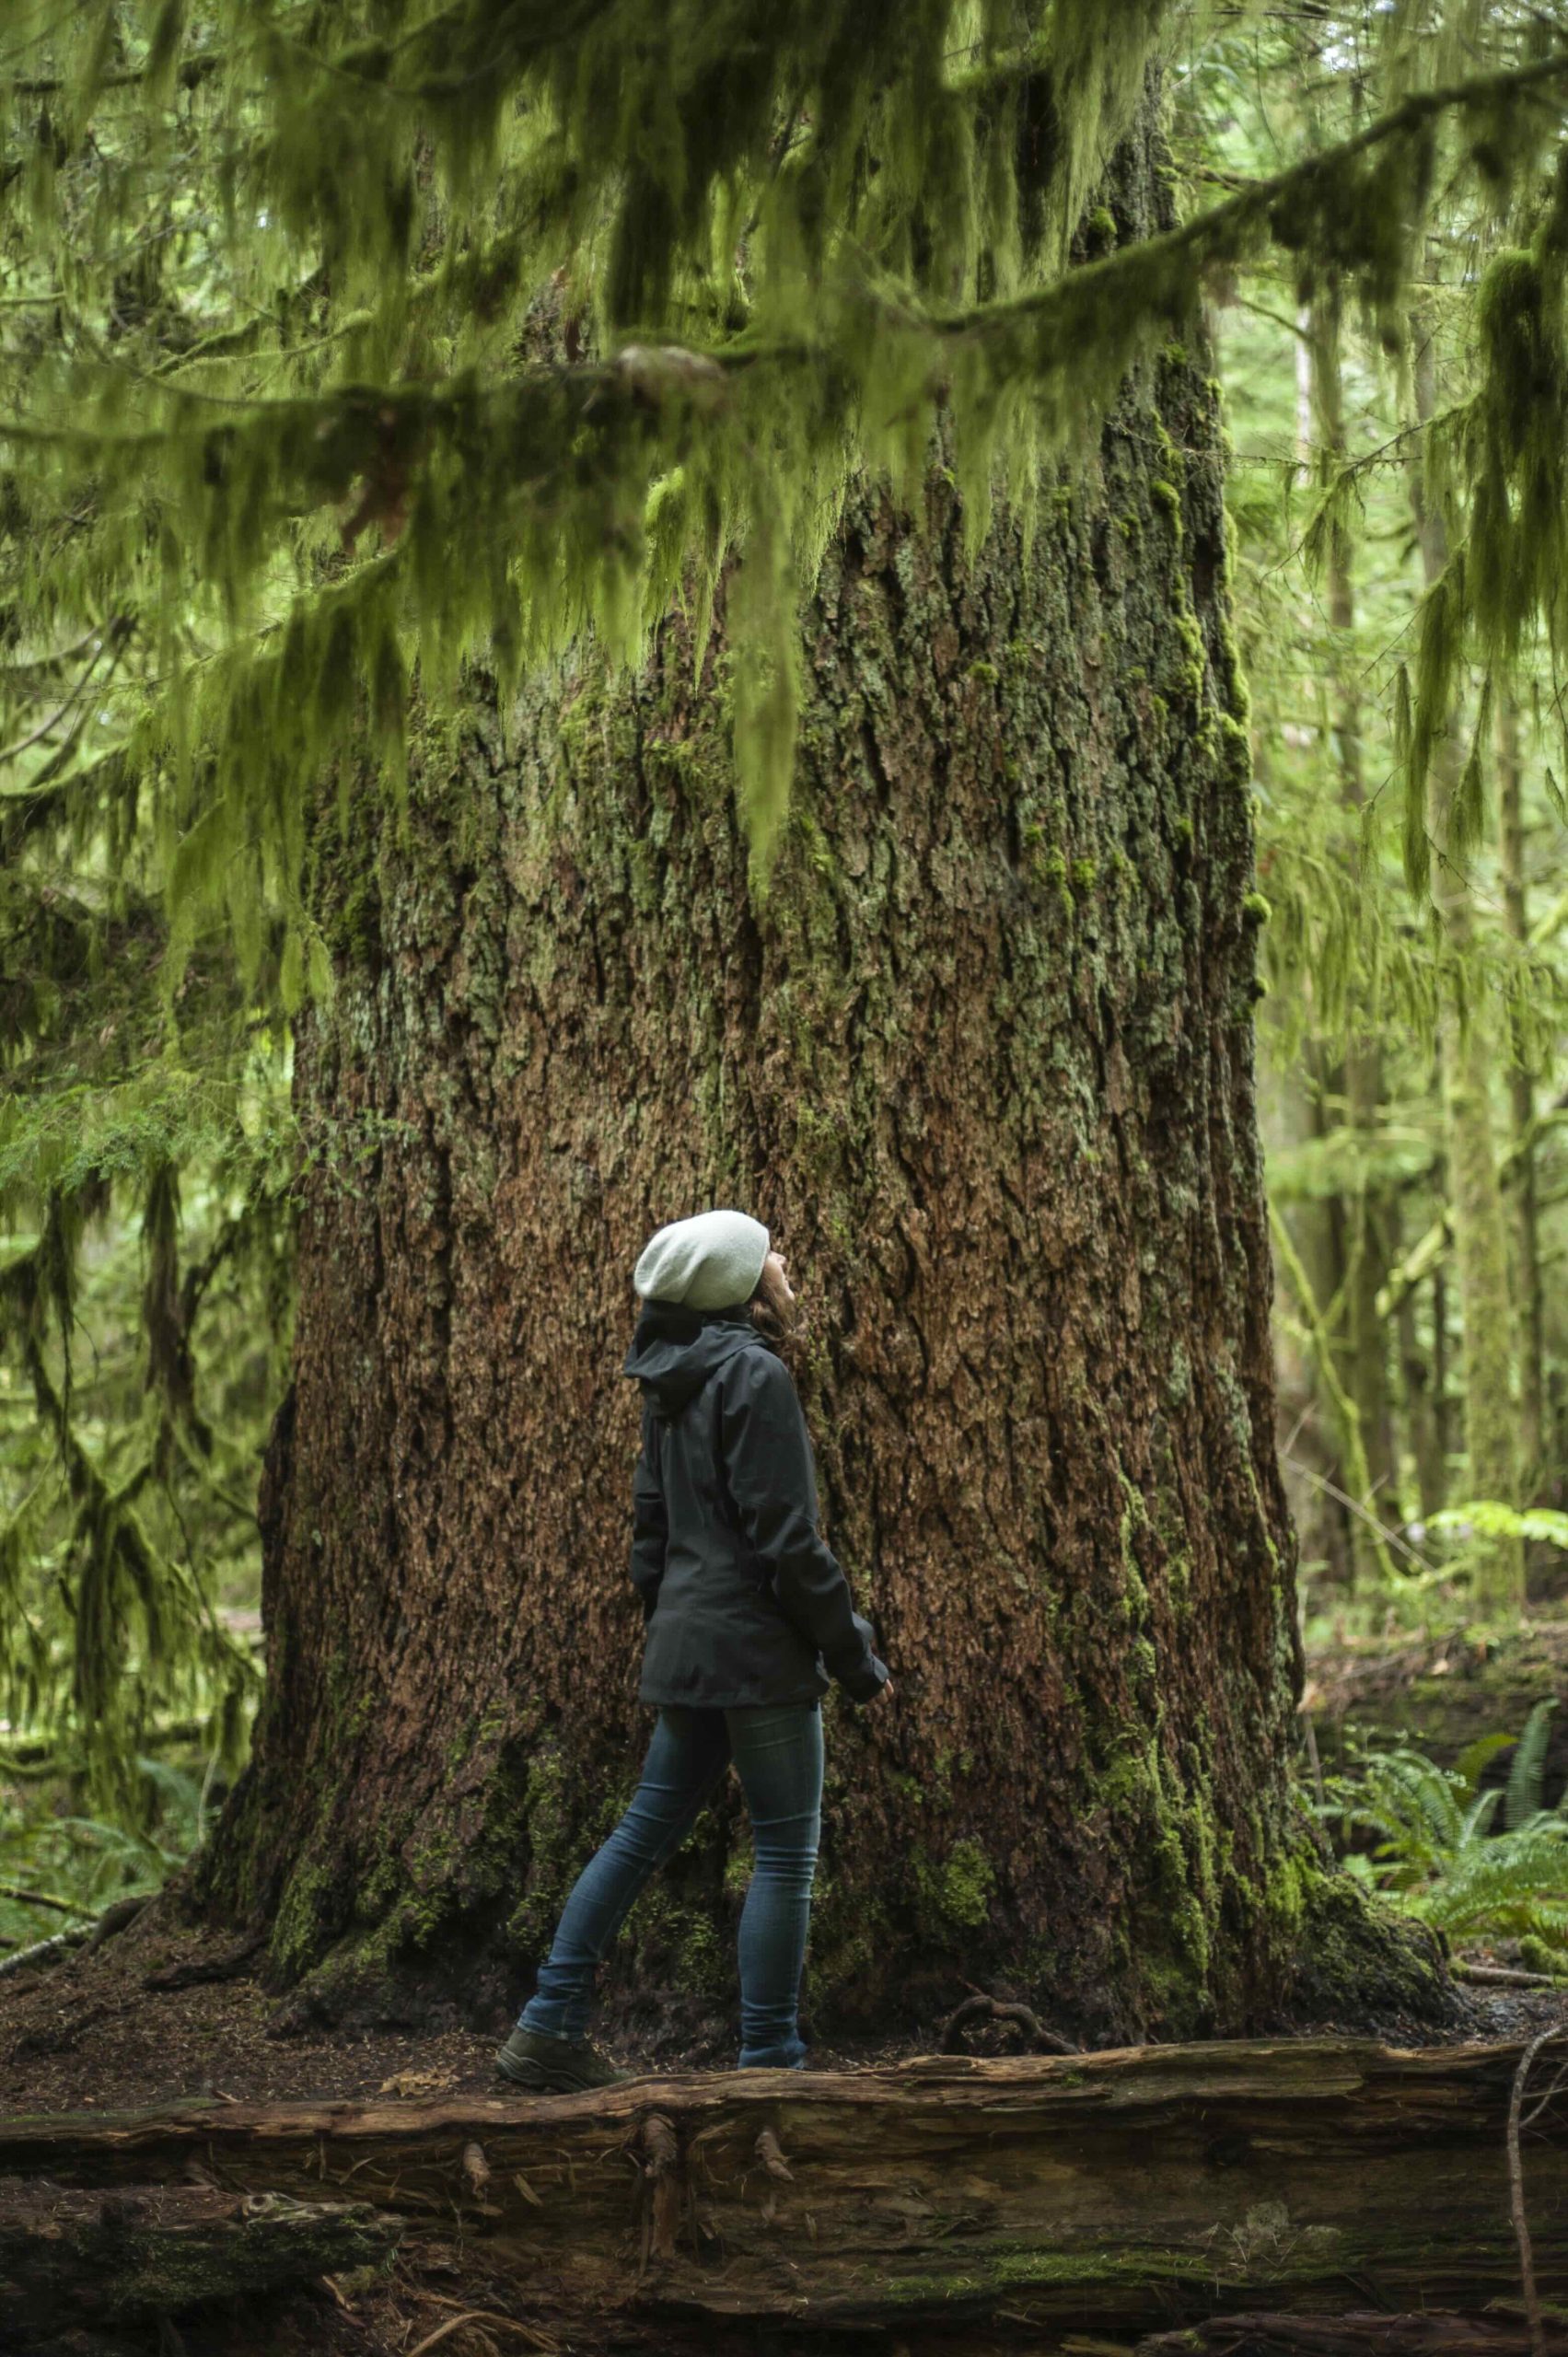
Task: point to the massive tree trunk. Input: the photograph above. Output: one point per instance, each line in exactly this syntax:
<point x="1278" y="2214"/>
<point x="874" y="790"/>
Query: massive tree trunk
<point x="982" y="1053"/>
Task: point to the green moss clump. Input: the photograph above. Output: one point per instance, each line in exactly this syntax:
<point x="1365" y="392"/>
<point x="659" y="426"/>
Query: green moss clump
<point x="966" y="1884"/>
<point x="304" y="1921"/>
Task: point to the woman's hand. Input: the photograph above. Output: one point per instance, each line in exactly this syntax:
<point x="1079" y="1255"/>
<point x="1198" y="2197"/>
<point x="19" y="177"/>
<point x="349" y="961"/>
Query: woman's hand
<point x="886" y="1687"/>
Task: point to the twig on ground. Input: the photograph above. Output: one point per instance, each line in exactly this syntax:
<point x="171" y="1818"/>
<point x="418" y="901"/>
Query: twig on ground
<point x="1517" y="2192"/>
<point x="1504" y="1976"/>
<point x="485" y="2316"/>
<point x="43" y="1951"/>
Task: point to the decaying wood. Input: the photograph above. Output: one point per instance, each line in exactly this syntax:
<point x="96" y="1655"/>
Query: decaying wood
<point x="59" y="1944"/>
<point x="1362" y="2333"/>
<point x="661" y="2160"/>
<point x="116" y="1918"/>
<point x="1122" y="2191"/>
<point x="1502" y="1976"/>
<point x="68" y="2255"/>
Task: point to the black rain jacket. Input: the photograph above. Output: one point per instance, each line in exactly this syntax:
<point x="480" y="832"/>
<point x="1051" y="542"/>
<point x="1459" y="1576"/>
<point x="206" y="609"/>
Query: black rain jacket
<point x="744" y="1603"/>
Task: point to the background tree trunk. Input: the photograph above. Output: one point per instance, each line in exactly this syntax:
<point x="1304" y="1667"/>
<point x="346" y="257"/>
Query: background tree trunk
<point x="981" y="1055"/>
<point x="1529" y="1293"/>
<point x="1364" y="1211"/>
<point x="1468" y="1050"/>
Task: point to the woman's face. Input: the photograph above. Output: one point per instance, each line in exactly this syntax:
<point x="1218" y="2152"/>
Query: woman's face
<point x="775" y="1285"/>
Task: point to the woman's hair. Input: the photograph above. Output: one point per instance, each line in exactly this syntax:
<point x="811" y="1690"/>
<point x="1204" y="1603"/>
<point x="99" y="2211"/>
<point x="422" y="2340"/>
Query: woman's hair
<point x="787" y="1335"/>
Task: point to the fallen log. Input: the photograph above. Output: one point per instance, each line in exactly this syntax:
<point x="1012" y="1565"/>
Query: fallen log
<point x="1357" y="2333"/>
<point x="49" y="1951"/>
<point x="1123" y="2190"/>
<point x="1440" y="1693"/>
<point x="67" y="2255"/>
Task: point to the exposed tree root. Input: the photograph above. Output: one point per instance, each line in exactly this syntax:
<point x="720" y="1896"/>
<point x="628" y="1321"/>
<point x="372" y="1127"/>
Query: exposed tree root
<point x="979" y="2007"/>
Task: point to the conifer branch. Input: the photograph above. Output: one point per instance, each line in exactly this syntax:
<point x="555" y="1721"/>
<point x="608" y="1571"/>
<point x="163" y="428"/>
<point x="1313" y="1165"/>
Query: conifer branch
<point x="1224" y="232"/>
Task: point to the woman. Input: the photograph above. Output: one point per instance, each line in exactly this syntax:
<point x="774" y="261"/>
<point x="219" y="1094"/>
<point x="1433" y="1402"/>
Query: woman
<point x="743" y="1605"/>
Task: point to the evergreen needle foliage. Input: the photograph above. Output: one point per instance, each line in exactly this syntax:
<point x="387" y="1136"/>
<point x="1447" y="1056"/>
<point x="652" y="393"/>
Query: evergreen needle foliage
<point x="606" y="300"/>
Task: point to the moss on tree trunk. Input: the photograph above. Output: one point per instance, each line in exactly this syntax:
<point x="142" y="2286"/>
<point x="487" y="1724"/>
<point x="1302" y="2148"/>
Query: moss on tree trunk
<point x="981" y="1054"/>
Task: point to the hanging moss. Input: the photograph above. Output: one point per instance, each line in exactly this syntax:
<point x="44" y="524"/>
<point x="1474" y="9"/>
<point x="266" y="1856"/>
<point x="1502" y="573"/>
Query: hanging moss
<point x="792" y="254"/>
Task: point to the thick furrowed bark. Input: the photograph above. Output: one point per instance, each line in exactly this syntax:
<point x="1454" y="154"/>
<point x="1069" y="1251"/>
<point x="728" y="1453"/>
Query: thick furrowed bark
<point x="980" y="1052"/>
<point x="1123" y="2190"/>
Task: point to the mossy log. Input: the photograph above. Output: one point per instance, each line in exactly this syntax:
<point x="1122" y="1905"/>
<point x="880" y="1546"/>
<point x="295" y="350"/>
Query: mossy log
<point x="1364" y="2333"/>
<point x="69" y="2256"/>
<point x="1441" y="1693"/>
<point x="1127" y="2190"/>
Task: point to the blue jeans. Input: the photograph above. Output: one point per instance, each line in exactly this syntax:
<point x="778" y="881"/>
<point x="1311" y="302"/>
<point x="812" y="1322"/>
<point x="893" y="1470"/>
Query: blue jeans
<point x="777" y="1752"/>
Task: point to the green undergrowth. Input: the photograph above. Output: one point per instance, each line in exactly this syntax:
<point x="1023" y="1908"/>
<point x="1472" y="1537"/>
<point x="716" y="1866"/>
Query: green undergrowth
<point x="1480" y="1863"/>
<point x="59" y="1867"/>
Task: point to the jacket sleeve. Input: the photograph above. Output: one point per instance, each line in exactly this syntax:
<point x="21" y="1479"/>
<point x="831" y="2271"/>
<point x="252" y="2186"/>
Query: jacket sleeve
<point x="650" y="1522"/>
<point x="767" y="1463"/>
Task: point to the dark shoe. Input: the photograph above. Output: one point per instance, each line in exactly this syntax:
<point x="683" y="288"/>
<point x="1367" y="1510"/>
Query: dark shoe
<point x="554" y="2065"/>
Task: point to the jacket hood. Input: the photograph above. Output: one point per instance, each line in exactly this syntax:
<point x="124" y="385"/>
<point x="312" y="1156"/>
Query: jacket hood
<point x="674" y="1349"/>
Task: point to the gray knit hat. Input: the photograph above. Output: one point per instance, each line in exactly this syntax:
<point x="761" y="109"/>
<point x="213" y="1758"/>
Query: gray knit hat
<point x="708" y="1261"/>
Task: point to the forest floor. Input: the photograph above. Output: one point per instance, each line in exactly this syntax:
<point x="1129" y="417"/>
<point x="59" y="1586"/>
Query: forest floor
<point x="1439" y="1690"/>
<point x="161" y="2011"/>
<point x="87" y="2035"/>
<point x="88" y="2032"/>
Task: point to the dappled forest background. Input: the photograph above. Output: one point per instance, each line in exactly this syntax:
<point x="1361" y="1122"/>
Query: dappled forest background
<point x="1413" y="1042"/>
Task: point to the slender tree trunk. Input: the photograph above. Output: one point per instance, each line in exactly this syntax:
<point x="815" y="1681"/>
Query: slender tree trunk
<point x="1366" y="1352"/>
<point x="1480" y="1243"/>
<point x="1442" y="1399"/>
<point x="1527" y="1292"/>
<point x="1345" y="1252"/>
<point x="981" y="1055"/>
<point x="1312" y="1453"/>
<point x="1418" y="1374"/>
<point x="1333" y="1534"/>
